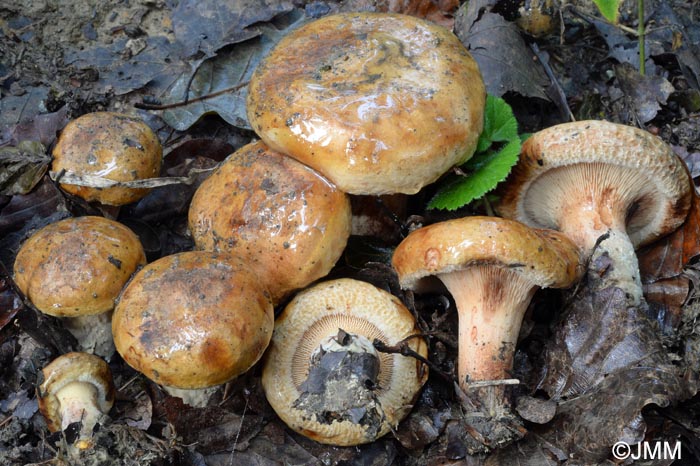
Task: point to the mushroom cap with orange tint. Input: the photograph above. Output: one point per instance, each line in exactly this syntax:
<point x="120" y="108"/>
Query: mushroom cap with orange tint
<point x="613" y="161"/>
<point x="112" y="145"/>
<point x="193" y="320"/>
<point x="378" y="103"/>
<point x="77" y="266"/>
<point x="71" y="368"/>
<point x="547" y="258"/>
<point x="307" y="321"/>
<point x="282" y="217"/>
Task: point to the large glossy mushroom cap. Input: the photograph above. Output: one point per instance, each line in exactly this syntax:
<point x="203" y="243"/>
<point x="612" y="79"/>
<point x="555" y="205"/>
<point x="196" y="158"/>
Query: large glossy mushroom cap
<point x="77" y="266"/>
<point x="312" y="317"/>
<point x="547" y="258"/>
<point x="111" y="145"/>
<point x="74" y="368"/>
<point x="378" y="103"/>
<point x="193" y="320"/>
<point x="609" y="165"/>
<point x="285" y="219"/>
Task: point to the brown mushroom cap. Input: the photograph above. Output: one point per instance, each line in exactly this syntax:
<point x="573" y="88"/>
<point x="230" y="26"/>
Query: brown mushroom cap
<point x="69" y="369"/>
<point x="546" y="257"/>
<point x="277" y="214"/>
<point x="111" y="145"/>
<point x="77" y="266"/>
<point x="631" y="177"/>
<point x="378" y="103"/>
<point x="318" y="313"/>
<point x="193" y="320"/>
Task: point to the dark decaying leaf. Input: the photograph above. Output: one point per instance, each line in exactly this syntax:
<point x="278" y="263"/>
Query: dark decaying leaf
<point x="229" y="70"/>
<point x="22" y="167"/>
<point x="645" y="93"/>
<point x="506" y="63"/>
<point x="667" y="257"/>
<point x="42" y="128"/>
<point x="599" y="334"/>
<point x="206" y="26"/>
<point x="437" y="11"/>
<point x="121" y="71"/>
<point x="20" y="109"/>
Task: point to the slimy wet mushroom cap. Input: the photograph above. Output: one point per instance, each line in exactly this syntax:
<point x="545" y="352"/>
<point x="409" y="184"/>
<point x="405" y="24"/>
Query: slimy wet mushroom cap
<point x="112" y="145"/>
<point x="378" y="103"/>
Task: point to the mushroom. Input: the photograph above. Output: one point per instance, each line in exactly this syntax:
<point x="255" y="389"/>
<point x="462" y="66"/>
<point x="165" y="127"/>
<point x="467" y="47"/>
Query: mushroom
<point x="491" y="267"/>
<point x="74" y="269"/>
<point x="192" y="321"/>
<point x="280" y="216"/>
<point x="378" y="103"/>
<point x="76" y="387"/>
<point x="115" y="146"/>
<point x="611" y="188"/>
<point x="322" y="374"/>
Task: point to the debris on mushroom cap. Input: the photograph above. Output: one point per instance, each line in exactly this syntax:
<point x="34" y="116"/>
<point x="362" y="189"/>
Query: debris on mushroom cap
<point x="340" y="319"/>
<point x="115" y="146"/>
<point x="547" y="257"/>
<point x="604" y="165"/>
<point x="378" y="103"/>
<point x="279" y="215"/>
<point x="193" y="319"/>
<point x="77" y="266"/>
<point x="76" y="387"/>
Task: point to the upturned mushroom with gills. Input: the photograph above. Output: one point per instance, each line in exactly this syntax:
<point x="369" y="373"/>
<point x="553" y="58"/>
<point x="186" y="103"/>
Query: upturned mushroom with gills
<point x="322" y="374"/>
<point x="492" y="267"/>
<point x="611" y="188"/>
<point x="76" y="388"/>
<point x="192" y="321"/>
<point x="378" y="103"/>
<point x="75" y="269"/>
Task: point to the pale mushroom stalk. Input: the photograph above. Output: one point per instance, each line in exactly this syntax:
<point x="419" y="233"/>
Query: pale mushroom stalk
<point x="491" y="303"/>
<point x="612" y="188"/>
<point x="594" y="216"/>
<point x="76" y="387"/>
<point x="93" y="333"/>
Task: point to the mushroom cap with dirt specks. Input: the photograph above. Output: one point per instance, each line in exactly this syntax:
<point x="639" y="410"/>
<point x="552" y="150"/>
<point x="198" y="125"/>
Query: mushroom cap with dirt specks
<point x="70" y="368"/>
<point x="282" y="217"/>
<point x="655" y="201"/>
<point x="378" y="103"/>
<point x="193" y="320"/>
<point x="546" y="257"/>
<point x="77" y="266"/>
<point x="112" y="145"/>
<point x="319" y="312"/>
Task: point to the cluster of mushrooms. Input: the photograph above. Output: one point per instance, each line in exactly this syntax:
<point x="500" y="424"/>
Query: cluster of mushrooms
<point x="349" y="104"/>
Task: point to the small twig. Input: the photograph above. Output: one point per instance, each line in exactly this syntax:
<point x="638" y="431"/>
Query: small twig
<point x="491" y="383"/>
<point x="403" y="349"/>
<point x="187" y="101"/>
<point x="563" y="104"/>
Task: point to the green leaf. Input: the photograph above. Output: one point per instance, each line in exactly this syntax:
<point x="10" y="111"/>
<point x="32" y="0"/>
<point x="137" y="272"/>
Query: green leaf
<point x="489" y="169"/>
<point x="610" y="9"/>
<point x="500" y="124"/>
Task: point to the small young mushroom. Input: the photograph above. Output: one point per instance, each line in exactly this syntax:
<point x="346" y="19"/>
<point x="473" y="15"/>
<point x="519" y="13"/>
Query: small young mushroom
<point x="491" y="267"/>
<point x="75" y="269"/>
<point x="611" y="188"/>
<point x="192" y="321"/>
<point x="76" y="387"/>
<point x="322" y="374"/>
<point x="378" y="103"/>
<point x="111" y="145"/>
<point x="283" y="218"/>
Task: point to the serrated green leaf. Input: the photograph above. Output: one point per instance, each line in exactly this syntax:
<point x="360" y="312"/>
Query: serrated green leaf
<point x="492" y="168"/>
<point x="500" y="124"/>
<point x="610" y="9"/>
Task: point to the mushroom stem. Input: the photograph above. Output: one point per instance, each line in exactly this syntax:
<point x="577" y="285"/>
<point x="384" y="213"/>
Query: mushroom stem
<point x="197" y="398"/>
<point x="78" y="403"/>
<point x="491" y="302"/>
<point x="93" y="333"/>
